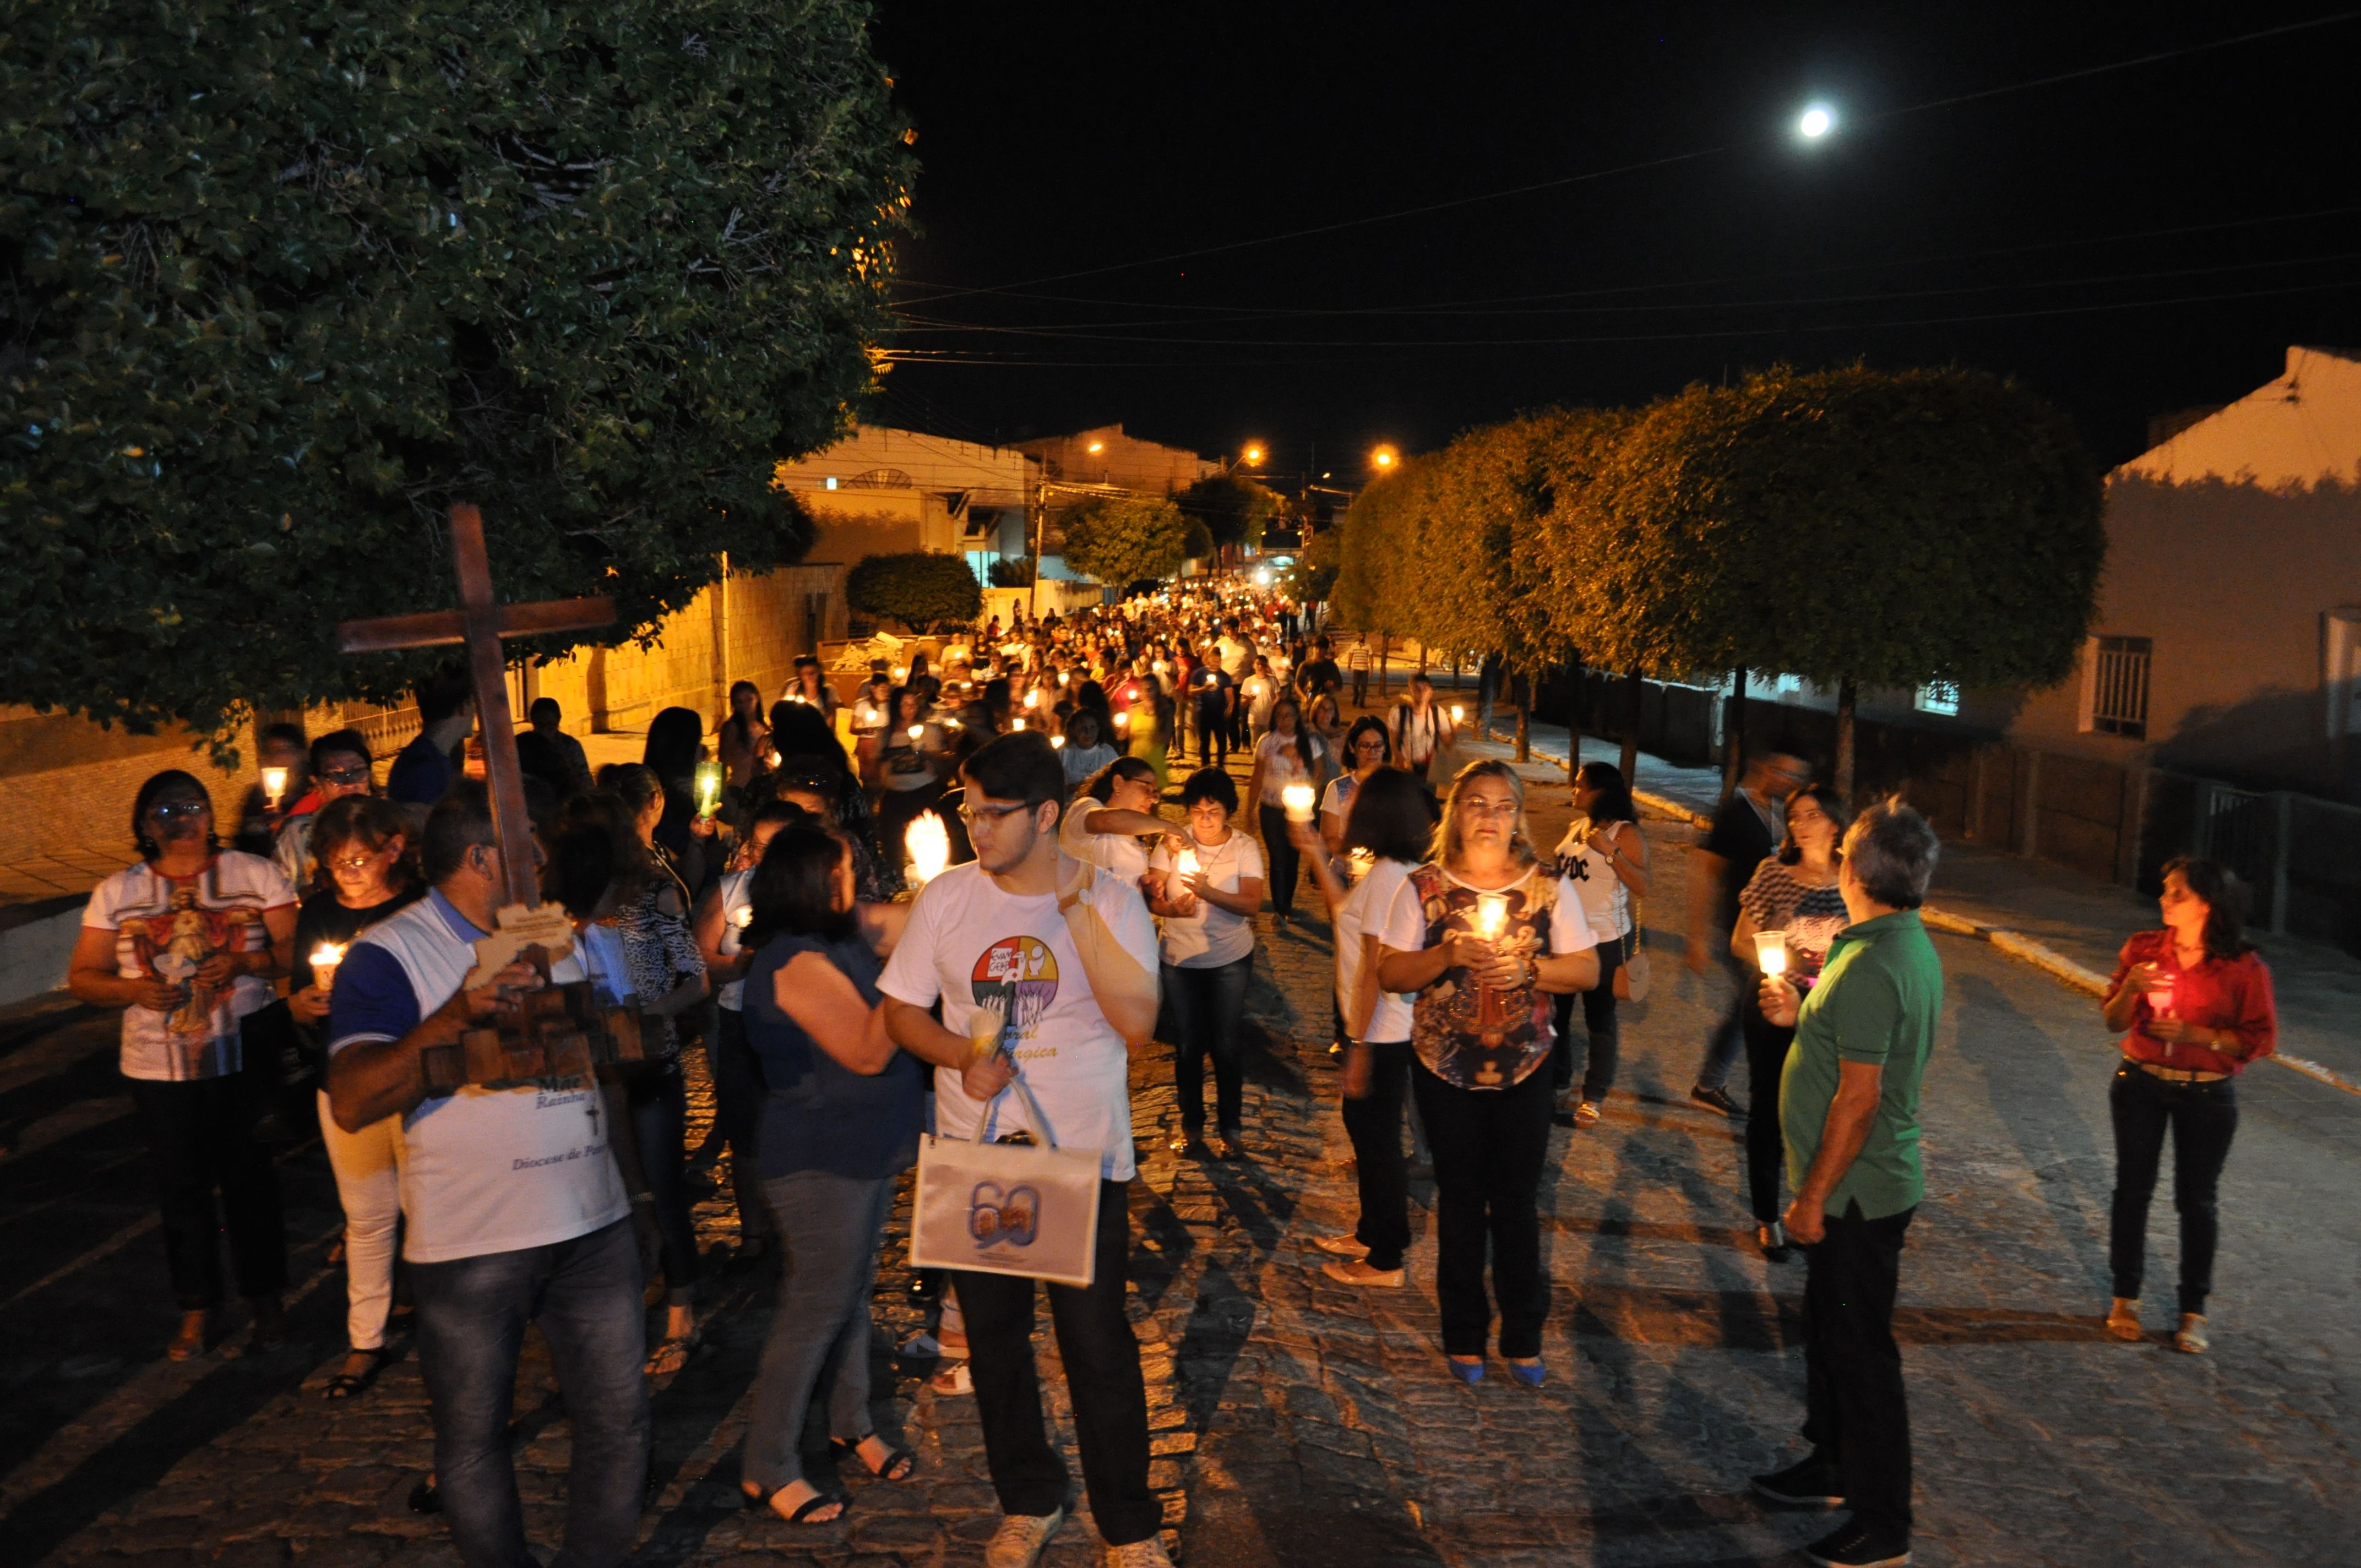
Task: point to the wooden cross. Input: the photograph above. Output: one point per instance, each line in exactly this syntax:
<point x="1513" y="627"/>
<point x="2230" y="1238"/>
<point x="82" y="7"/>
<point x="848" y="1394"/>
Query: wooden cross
<point x="479" y="623"/>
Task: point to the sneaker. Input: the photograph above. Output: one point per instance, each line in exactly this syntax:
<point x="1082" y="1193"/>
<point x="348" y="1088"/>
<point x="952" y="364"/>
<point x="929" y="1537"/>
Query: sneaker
<point x="1359" y="1272"/>
<point x="1717" y="1098"/>
<point x="1149" y="1553"/>
<point x="1341" y="1246"/>
<point x="1019" y="1541"/>
<point x="953" y="1380"/>
<point x="1811" y="1484"/>
<point x="1860" y="1546"/>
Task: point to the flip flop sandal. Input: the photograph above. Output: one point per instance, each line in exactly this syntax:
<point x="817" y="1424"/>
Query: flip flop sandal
<point x="673" y="1354"/>
<point x="345" y="1385"/>
<point x="900" y="1463"/>
<point x="759" y="1502"/>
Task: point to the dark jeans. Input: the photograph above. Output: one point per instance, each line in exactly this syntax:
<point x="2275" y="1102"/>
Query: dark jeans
<point x="1102" y="1362"/>
<point x="1766" y="1151"/>
<point x="2203" y="1118"/>
<point x="1209" y="1007"/>
<point x="659" y="1131"/>
<point x="1360" y="688"/>
<point x="820" y="1330"/>
<point x="1284" y="858"/>
<point x="1213" y="736"/>
<point x="472" y="1312"/>
<point x="1729" y="1037"/>
<point x="200" y="1136"/>
<point x="1854" y="1414"/>
<point x="1374" y="1124"/>
<point x="1602" y="1033"/>
<point x="738" y="1093"/>
<point x="1489" y="1147"/>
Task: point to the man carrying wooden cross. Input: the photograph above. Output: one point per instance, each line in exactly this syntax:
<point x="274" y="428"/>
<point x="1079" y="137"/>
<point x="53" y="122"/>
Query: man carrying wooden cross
<point x="515" y="1209"/>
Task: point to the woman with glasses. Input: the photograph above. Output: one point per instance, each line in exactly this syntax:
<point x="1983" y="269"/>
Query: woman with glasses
<point x="367" y="871"/>
<point x="1367" y="749"/>
<point x="341" y="766"/>
<point x="1795" y="892"/>
<point x="1479" y="933"/>
<point x="1289" y="754"/>
<point x="1110" y="816"/>
<point x="1208" y="890"/>
<point x="185" y="945"/>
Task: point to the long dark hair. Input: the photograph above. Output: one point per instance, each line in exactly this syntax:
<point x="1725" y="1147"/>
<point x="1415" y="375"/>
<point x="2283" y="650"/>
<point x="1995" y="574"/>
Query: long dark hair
<point x="675" y="736"/>
<point x="1367" y="724"/>
<point x="1099" y="786"/>
<point x="1832" y="806"/>
<point x="1392" y="816"/>
<point x="738" y="723"/>
<point x="793" y="890"/>
<point x="1303" y="731"/>
<point x="170" y="779"/>
<point x="2226" y="899"/>
<point x="1614" y="802"/>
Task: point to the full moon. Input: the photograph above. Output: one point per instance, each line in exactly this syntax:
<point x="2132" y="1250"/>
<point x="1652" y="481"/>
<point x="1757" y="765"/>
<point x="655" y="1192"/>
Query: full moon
<point x="1817" y="122"/>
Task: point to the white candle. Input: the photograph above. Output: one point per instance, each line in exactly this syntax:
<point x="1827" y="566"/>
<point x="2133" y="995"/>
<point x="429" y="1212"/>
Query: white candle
<point x="1020" y="724"/>
<point x="324" y="959"/>
<point x="929" y="844"/>
<point x="917" y="730"/>
<point x="1771" y="951"/>
<point x="1059" y="741"/>
<point x="1185" y="864"/>
<point x="274" y="786"/>
<point x="1033" y="699"/>
<point x="1122" y="719"/>
<point x="1457" y="713"/>
<point x="1297" y="798"/>
<point x="1491" y="914"/>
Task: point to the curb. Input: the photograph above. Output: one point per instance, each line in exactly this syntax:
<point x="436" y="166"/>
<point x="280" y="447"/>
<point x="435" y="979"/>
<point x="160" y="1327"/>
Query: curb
<point x="2015" y="944"/>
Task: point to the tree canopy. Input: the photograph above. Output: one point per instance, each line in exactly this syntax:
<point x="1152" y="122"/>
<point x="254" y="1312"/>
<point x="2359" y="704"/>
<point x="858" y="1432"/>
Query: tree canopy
<point x="283" y="283"/>
<point x="1121" y="540"/>
<point x="921" y="589"/>
<point x="1233" y="509"/>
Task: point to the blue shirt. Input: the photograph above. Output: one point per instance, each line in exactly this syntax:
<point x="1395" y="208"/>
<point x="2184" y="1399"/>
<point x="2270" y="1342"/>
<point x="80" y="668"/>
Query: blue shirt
<point x="819" y="1115"/>
<point x="421" y="773"/>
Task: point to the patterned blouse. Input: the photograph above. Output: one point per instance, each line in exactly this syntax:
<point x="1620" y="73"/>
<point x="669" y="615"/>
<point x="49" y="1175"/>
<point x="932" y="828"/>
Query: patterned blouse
<point x="659" y="952"/>
<point x="1466" y="1036"/>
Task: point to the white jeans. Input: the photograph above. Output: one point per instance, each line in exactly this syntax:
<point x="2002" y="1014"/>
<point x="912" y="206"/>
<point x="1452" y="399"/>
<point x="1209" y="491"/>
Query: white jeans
<point x="368" y="1183"/>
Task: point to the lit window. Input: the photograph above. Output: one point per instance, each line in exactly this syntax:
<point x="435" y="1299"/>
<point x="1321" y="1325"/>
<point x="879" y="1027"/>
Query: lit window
<point x="831" y="481"/>
<point x="2114" y="686"/>
<point x="1939" y="696"/>
<point x="1787" y="685"/>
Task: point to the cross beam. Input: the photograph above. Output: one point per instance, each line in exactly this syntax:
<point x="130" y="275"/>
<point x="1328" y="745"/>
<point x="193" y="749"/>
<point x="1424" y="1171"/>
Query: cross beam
<point x="478" y="624"/>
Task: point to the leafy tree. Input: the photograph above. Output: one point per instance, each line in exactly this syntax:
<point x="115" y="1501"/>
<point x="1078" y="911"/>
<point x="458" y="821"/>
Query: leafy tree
<point x="1233" y="509"/>
<point x="1312" y="578"/>
<point x="1378" y="535"/>
<point x="1122" y="540"/>
<point x="281" y="283"/>
<point x="920" y="588"/>
<point x="1197" y="541"/>
<point x="1012" y="572"/>
<point x="1852" y="526"/>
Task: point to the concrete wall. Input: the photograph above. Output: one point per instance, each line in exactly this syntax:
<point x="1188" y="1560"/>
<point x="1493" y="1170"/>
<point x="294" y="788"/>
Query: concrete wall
<point x="1147" y="466"/>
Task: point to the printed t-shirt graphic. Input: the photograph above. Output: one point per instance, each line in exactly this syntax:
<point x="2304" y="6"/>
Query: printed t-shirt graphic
<point x="1019" y="976"/>
<point x="1460" y="1033"/>
<point x="169" y="929"/>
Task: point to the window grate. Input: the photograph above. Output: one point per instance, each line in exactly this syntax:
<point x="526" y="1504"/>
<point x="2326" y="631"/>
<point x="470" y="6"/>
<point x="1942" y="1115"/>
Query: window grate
<point x="2119" y="686"/>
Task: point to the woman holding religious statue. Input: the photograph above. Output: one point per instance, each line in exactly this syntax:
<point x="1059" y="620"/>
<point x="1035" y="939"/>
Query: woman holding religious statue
<point x="1479" y="934"/>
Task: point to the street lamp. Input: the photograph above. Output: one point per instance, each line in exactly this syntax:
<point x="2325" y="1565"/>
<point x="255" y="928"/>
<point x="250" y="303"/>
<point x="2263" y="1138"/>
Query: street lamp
<point x="1254" y="454"/>
<point x="1384" y="458"/>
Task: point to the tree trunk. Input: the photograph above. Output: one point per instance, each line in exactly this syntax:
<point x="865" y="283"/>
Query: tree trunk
<point x="1845" y="696"/>
<point x="1733" y="734"/>
<point x="1524" y="718"/>
<point x="1633" y="694"/>
<point x="1487" y="689"/>
<point x="1385" y="646"/>
<point x="1574" y="723"/>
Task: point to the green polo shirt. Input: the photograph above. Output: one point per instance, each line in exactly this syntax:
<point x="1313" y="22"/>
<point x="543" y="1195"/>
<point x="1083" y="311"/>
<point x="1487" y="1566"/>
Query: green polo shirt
<point x="1878" y="999"/>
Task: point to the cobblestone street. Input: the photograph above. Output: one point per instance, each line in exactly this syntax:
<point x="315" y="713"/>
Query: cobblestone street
<point x="1296" y="1421"/>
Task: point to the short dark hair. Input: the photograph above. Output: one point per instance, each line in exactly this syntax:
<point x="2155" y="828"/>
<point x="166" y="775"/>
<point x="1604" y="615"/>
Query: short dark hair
<point x="581" y="869"/>
<point x="442" y="694"/>
<point x="364" y="819"/>
<point x="334" y="741"/>
<point x="1392" y="816"/>
<point x="460" y="820"/>
<point x="1211" y="783"/>
<point x="2227" y="900"/>
<point x="532" y="713"/>
<point x="793" y="890"/>
<point x="171" y="779"/>
<point x="293" y="734"/>
<point x="1893" y="850"/>
<point x="785" y="813"/>
<point x="1022" y="765"/>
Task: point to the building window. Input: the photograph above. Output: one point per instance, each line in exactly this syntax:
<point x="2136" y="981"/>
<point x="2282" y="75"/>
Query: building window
<point x="1787" y="685"/>
<point x="1939" y="696"/>
<point x="2114" y="686"/>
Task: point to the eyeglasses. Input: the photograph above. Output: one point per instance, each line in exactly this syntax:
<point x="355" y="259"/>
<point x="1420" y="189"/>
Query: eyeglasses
<point x="173" y="810"/>
<point x="1476" y="805"/>
<point x="354" y="862"/>
<point x="358" y="773"/>
<point x="969" y="814"/>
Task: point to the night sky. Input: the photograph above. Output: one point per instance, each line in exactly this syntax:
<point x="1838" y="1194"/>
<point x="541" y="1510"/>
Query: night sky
<point x="2127" y="242"/>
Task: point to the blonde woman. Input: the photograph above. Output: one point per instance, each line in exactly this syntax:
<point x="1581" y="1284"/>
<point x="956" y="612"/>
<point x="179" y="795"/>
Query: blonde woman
<point x="1481" y="934"/>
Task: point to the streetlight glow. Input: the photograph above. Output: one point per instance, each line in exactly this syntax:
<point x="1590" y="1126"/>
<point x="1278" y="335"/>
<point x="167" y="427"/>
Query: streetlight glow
<point x="1384" y="458"/>
<point x="1254" y="454"/>
<point x="1817" y="122"/>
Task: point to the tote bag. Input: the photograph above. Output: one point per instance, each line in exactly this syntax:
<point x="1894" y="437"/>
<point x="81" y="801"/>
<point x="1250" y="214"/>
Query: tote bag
<point x="1019" y="1209"/>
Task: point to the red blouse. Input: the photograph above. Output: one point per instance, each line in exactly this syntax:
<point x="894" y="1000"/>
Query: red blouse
<point x="2219" y="993"/>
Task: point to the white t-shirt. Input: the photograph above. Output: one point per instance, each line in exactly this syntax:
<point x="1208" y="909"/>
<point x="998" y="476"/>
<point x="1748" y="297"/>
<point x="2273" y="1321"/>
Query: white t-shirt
<point x="1361" y="914"/>
<point x="1606" y="901"/>
<point x="483" y="1171"/>
<point x="1417" y="735"/>
<point x="1212" y="936"/>
<point x="1281" y="766"/>
<point x="735" y="906"/>
<point x="1082" y="761"/>
<point x="1405" y="923"/>
<point x="968" y="943"/>
<point x="1237" y="657"/>
<point x="1126" y="857"/>
<point x="1260" y="693"/>
<point x="169" y="929"/>
<point x="1336" y="800"/>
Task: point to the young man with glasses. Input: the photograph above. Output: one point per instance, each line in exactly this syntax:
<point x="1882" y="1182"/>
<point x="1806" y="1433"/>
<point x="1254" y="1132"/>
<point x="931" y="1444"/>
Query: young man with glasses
<point x="341" y="766"/>
<point x="1066" y="952"/>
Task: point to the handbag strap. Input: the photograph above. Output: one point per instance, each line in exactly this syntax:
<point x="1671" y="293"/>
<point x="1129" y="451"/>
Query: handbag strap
<point x="1033" y="1106"/>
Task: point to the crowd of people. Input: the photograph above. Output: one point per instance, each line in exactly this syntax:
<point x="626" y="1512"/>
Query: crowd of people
<point x="949" y="898"/>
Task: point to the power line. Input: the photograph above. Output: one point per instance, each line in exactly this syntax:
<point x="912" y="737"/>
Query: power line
<point x="1638" y="166"/>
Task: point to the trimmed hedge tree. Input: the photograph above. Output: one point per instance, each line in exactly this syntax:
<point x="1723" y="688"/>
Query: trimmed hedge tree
<point x="919" y="588"/>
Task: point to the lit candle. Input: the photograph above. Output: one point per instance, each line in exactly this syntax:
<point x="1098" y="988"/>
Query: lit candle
<point x="1297" y="798"/>
<point x="744" y="917"/>
<point x="1033" y="699"/>
<point x="775" y="758"/>
<point x="1185" y="864"/>
<point x="1062" y="677"/>
<point x="1457" y="713"/>
<point x="1491" y="914"/>
<point x="916" y="732"/>
<point x="901" y="672"/>
<point x="1058" y="742"/>
<point x="1122" y="719"/>
<point x="324" y="959"/>
<point x="274" y="786"/>
<point x="1020" y="724"/>
<point x="709" y="788"/>
<point x="929" y="844"/>
<point x="1771" y="951"/>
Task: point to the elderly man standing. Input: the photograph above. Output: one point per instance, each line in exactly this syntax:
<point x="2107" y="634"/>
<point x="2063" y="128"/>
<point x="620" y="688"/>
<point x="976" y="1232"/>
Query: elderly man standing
<point x="1848" y="1109"/>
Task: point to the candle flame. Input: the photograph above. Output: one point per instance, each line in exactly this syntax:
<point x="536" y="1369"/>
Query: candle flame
<point x="929" y="843"/>
<point x="1491" y="914"/>
<point x="1297" y="798"/>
